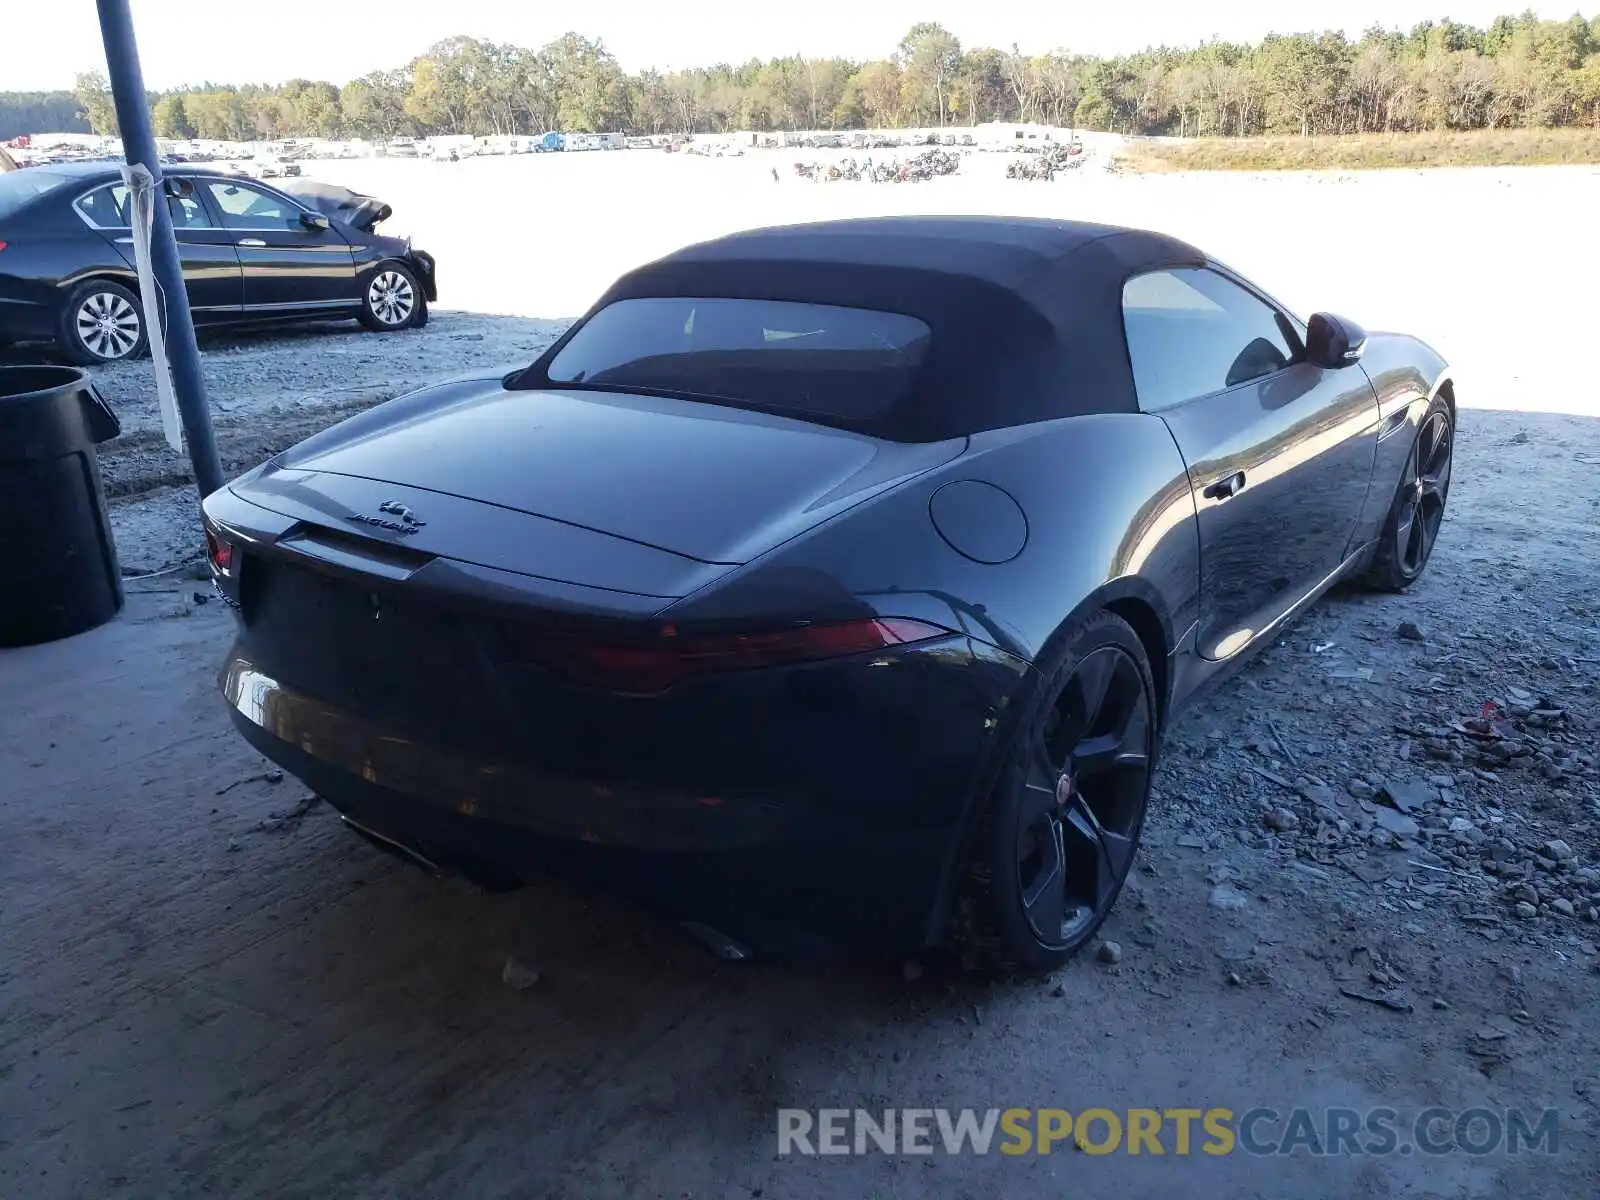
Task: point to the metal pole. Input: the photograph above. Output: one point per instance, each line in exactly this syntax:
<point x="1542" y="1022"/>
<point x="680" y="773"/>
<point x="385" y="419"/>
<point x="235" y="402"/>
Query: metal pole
<point x="139" y="146"/>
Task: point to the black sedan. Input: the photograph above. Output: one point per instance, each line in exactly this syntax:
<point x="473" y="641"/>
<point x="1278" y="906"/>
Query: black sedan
<point x="829" y="584"/>
<point x="251" y="254"/>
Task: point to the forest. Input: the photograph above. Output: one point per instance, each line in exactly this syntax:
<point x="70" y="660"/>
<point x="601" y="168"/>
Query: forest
<point x="1521" y="72"/>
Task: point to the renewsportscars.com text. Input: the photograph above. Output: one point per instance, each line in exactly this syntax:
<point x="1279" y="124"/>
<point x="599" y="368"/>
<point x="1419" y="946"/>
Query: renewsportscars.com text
<point x="1175" y="1131"/>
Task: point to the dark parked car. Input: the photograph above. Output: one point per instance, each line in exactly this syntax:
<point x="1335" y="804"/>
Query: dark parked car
<point x="251" y="253"/>
<point x="829" y="584"/>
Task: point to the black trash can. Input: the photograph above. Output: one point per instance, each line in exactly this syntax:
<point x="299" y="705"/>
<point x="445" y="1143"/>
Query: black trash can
<point x="58" y="564"/>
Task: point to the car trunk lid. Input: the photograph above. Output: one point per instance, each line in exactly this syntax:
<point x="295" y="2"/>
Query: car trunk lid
<point x="698" y="482"/>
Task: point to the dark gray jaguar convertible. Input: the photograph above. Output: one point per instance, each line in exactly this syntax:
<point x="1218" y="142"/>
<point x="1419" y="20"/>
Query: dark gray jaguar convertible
<point x="826" y="585"/>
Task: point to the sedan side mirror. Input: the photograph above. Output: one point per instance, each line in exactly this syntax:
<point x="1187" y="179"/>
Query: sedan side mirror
<point x="314" y="221"/>
<point x="1333" y="341"/>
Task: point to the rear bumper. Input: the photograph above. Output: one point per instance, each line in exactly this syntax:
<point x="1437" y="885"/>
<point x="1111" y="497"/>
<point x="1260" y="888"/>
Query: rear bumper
<point x="861" y="856"/>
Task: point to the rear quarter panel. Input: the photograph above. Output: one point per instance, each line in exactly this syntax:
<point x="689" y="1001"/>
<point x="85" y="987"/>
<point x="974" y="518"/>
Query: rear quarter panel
<point x="50" y="251"/>
<point x="1109" y="515"/>
<point x="1108" y="511"/>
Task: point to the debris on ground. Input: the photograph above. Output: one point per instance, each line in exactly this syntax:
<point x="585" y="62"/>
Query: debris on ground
<point x="273" y="776"/>
<point x="1282" y="820"/>
<point x="1394" y="1000"/>
<point x="519" y="973"/>
<point x="290" y="818"/>
<point x="1227" y="898"/>
<point x="1407" y="796"/>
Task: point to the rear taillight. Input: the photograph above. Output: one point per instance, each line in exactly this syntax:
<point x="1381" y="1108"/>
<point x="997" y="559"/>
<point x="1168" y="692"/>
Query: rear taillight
<point x="652" y="665"/>
<point x="2" y="245"/>
<point x="220" y="551"/>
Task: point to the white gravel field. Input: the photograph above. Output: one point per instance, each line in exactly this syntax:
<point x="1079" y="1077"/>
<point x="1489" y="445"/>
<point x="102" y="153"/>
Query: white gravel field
<point x="1483" y="263"/>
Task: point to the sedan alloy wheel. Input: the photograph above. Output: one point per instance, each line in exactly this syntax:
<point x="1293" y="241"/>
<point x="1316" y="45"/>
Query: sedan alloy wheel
<point x="392" y="298"/>
<point x="108" y="325"/>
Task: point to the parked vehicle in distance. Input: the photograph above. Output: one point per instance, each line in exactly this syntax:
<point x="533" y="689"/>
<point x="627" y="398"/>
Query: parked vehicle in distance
<point x="272" y="168"/>
<point x="826" y="585"/>
<point x="251" y="253"/>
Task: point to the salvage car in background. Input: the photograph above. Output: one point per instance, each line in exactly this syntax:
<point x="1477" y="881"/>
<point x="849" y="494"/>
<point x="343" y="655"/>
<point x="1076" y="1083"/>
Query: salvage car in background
<point x="251" y="253"/>
<point x="829" y="584"/>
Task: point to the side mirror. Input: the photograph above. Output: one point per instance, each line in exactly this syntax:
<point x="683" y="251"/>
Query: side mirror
<point x="314" y="221"/>
<point x="1333" y="341"/>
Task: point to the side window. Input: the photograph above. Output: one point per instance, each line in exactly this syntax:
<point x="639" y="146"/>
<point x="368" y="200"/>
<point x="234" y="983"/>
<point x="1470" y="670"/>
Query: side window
<point x="107" y="207"/>
<point x="188" y="213"/>
<point x="244" y="207"/>
<point x="1192" y="332"/>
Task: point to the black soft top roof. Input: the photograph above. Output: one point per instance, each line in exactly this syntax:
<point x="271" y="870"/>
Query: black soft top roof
<point x="1026" y="314"/>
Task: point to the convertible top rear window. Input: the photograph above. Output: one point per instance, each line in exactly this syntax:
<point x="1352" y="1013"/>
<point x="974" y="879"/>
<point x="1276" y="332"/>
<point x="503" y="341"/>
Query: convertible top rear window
<point x="813" y="361"/>
<point x="26" y="185"/>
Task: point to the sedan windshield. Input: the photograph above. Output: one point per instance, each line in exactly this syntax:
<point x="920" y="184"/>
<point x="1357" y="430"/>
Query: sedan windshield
<point x="814" y="361"/>
<point x="26" y="185"/>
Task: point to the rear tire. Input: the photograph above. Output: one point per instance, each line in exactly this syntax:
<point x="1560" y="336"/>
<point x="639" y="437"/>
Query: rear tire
<point x="393" y="300"/>
<point x="1058" y="834"/>
<point x="101" y="322"/>
<point x="1411" y="527"/>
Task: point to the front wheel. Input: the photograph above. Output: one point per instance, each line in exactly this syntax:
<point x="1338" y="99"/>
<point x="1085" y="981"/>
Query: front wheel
<point x="1412" y="526"/>
<point x="393" y="300"/>
<point x="1057" y="839"/>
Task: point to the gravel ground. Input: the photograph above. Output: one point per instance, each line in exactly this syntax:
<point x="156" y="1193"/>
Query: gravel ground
<point x="1371" y="877"/>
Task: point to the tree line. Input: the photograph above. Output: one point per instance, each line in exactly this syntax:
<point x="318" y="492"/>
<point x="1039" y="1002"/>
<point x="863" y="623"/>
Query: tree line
<point x="1520" y="71"/>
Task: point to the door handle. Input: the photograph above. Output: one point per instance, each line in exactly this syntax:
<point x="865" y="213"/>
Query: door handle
<point x="1222" y="489"/>
<point x="251" y="242"/>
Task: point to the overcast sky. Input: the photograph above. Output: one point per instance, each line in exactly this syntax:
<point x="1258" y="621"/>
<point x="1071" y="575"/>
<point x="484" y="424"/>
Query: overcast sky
<point x="186" y="41"/>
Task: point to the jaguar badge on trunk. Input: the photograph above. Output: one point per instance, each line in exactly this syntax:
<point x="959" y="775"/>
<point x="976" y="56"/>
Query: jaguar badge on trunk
<point x="406" y="521"/>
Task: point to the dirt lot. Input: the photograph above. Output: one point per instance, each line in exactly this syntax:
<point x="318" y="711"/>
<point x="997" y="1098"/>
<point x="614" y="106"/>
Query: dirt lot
<point x="208" y="990"/>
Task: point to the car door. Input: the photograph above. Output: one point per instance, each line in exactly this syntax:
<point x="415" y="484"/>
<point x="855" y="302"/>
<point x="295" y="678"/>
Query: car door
<point x="211" y="273"/>
<point x="1279" y="451"/>
<point x="288" y="267"/>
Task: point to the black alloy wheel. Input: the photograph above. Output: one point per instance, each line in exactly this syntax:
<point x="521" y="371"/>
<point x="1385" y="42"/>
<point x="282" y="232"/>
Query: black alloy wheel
<point x="1065" y="823"/>
<point x="1412" y="527"/>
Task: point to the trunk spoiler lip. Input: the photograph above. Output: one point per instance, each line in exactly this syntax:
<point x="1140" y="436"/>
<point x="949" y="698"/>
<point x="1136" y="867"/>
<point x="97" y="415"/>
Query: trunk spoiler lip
<point x="285" y="539"/>
<point x="414" y="487"/>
